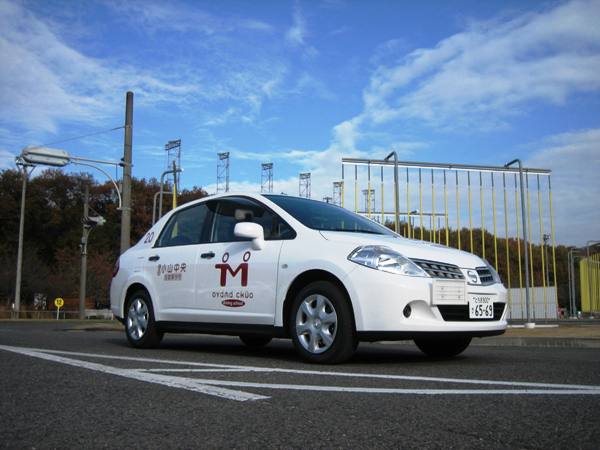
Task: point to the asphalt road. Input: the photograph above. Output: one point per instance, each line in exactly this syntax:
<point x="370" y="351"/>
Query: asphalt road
<point x="64" y="387"/>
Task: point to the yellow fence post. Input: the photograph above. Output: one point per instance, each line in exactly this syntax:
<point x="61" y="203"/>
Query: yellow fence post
<point x="542" y="248"/>
<point x="553" y="241"/>
<point x="432" y="235"/>
<point x="494" y="222"/>
<point x="355" y="188"/>
<point x="482" y="215"/>
<point x="519" y="248"/>
<point x="409" y="224"/>
<point x="421" y="203"/>
<point x="470" y="210"/>
<point x="368" y="208"/>
<point x="446" y="212"/>
<point x="457" y="211"/>
<point x="532" y="281"/>
<point x="506" y="246"/>
<point x="383" y="204"/>
<point x="342" y="187"/>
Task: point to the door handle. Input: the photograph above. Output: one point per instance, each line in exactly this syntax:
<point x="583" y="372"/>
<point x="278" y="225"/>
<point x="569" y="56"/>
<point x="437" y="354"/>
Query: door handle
<point x="154" y="258"/>
<point x="208" y="255"/>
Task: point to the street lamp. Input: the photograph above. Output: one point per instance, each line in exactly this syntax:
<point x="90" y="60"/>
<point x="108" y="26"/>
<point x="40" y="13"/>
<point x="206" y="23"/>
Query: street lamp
<point x="31" y="157"/>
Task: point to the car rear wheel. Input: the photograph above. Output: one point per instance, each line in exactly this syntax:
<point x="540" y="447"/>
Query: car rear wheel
<point x="443" y="347"/>
<point x="140" y="326"/>
<point x="255" y="340"/>
<point x="321" y="324"/>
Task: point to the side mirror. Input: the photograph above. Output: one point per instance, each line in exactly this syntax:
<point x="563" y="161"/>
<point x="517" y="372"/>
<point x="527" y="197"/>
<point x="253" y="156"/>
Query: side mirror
<point x="250" y="230"/>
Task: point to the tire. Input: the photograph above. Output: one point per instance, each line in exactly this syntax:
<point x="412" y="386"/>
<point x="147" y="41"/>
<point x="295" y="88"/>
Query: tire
<point x="445" y="348"/>
<point x="321" y="324"/>
<point x="140" y="326"/>
<point x="255" y="340"/>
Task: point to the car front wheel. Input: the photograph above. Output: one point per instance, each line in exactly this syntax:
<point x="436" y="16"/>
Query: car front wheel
<point x="140" y="327"/>
<point x="443" y="347"/>
<point x="321" y="324"/>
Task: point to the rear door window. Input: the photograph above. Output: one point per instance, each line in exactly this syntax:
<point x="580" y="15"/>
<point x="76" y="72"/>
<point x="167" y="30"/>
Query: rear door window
<point x="185" y="227"/>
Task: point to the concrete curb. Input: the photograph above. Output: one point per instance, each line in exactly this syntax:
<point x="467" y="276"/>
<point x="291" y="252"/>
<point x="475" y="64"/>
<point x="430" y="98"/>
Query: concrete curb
<point x="545" y="342"/>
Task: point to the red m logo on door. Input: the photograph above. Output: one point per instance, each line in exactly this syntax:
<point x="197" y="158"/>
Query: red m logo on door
<point x="226" y="268"/>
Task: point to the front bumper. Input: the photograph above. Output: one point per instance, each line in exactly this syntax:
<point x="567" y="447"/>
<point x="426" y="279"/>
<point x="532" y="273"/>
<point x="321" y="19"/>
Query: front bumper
<point x="379" y="299"/>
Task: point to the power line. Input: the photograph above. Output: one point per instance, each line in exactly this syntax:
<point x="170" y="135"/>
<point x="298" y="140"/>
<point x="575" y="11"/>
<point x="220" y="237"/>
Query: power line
<point x="82" y="136"/>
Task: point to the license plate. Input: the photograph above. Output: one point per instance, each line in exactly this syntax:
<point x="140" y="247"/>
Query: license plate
<point x="449" y="292"/>
<point x="481" y="307"/>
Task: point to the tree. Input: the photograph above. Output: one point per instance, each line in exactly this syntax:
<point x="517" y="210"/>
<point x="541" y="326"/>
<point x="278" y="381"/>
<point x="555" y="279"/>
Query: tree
<point x="54" y="208"/>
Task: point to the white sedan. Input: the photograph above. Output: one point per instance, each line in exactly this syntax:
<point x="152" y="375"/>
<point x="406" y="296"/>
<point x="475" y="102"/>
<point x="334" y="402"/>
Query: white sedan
<point x="265" y="266"/>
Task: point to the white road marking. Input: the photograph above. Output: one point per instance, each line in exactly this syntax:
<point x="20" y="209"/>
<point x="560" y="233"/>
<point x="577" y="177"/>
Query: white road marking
<point x="217" y="387"/>
<point x="367" y="390"/>
<point x="329" y="373"/>
<point x="189" y="384"/>
<point x="215" y="370"/>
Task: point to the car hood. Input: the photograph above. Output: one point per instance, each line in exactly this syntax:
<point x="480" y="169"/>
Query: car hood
<point x="411" y="248"/>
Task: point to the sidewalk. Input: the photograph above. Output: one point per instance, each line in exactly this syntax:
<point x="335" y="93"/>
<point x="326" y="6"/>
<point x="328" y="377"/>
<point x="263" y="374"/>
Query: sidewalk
<point x="583" y="335"/>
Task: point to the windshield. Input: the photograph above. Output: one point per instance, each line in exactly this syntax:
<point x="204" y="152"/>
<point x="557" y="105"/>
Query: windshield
<point x="327" y="217"/>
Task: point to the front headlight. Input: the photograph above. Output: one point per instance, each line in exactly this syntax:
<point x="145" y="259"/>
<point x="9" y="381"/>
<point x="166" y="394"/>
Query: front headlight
<point x="495" y="275"/>
<point x="385" y="259"/>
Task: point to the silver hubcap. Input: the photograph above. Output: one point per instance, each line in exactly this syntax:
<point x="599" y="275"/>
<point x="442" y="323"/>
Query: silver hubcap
<point x="137" y="319"/>
<point x="316" y="324"/>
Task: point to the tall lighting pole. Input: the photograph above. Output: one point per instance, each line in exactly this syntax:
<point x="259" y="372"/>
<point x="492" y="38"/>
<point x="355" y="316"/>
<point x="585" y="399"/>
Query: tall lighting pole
<point x="30" y="157"/>
<point x="127" y="160"/>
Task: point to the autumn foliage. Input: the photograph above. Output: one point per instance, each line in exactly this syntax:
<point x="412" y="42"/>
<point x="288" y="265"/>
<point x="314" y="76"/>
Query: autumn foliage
<point x="53" y="229"/>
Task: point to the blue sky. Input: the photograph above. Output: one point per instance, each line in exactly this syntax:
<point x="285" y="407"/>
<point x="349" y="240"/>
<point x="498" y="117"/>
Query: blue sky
<point x="302" y="84"/>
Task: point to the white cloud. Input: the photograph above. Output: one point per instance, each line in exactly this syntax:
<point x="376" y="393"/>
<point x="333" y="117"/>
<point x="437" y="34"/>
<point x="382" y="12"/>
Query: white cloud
<point x="7" y="159"/>
<point x="574" y="159"/>
<point x="44" y="81"/>
<point x="297" y="33"/>
<point x="489" y="72"/>
<point x="158" y="16"/>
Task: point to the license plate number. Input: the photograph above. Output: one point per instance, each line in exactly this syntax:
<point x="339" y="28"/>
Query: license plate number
<point x="481" y="307"/>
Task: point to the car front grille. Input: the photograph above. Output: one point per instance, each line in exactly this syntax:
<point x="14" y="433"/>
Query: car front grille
<point x="485" y="275"/>
<point x="460" y="313"/>
<point x="440" y="270"/>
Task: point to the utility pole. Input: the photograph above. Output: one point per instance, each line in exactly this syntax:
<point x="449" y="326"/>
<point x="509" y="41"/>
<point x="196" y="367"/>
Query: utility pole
<point x="127" y="163"/>
<point x="89" y="223"/>
<point x="84" y="237"/>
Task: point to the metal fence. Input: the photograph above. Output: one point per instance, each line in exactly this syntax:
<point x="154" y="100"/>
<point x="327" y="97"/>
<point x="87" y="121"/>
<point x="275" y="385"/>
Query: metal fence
<point x="469" y="207"/>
